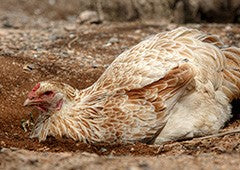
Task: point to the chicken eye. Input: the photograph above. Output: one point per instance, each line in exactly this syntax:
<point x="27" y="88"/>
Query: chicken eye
<point x="48" y="93"/>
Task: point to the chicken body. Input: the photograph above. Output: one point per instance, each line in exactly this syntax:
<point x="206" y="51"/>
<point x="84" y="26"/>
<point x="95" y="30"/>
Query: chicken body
<point x="172" y="86"/>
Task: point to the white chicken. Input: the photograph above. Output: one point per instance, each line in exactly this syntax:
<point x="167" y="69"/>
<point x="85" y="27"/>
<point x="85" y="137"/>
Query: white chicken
<point x="174" y="85"/>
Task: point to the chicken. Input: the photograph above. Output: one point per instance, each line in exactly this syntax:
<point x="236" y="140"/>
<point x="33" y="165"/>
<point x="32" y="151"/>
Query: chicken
<point x="174" y="85"/>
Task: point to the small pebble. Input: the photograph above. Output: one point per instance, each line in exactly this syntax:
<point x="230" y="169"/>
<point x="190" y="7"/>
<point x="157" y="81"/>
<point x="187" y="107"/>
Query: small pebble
<point x="113" y="40"/>
<point x="52" y="2"/>
<point x="35" y="55"/>
<point x="71" y="35"/>
<point x="70" y="27"/>
<point x="107" y="45"/>
<point x="88" y="16"/>
<point x="103" y="150"/>
<point x="228" y="28"/>
<point x="138" y="31"/>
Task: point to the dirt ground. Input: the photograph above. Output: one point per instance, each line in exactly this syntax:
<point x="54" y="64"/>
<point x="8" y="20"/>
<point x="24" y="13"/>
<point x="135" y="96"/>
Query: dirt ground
<point x="33" y="49"/>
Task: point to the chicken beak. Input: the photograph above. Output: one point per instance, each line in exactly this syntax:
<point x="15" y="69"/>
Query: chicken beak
<point x="27" y="102"/>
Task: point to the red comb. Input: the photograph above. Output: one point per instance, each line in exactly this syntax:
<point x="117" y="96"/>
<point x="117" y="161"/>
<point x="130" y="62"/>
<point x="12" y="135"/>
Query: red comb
<point x="36" y="87"/>
<point x="31" y="94"/>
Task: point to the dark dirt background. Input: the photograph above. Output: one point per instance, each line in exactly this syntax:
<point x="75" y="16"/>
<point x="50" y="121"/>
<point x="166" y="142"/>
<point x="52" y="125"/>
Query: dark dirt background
<point x="36" y="46"/>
